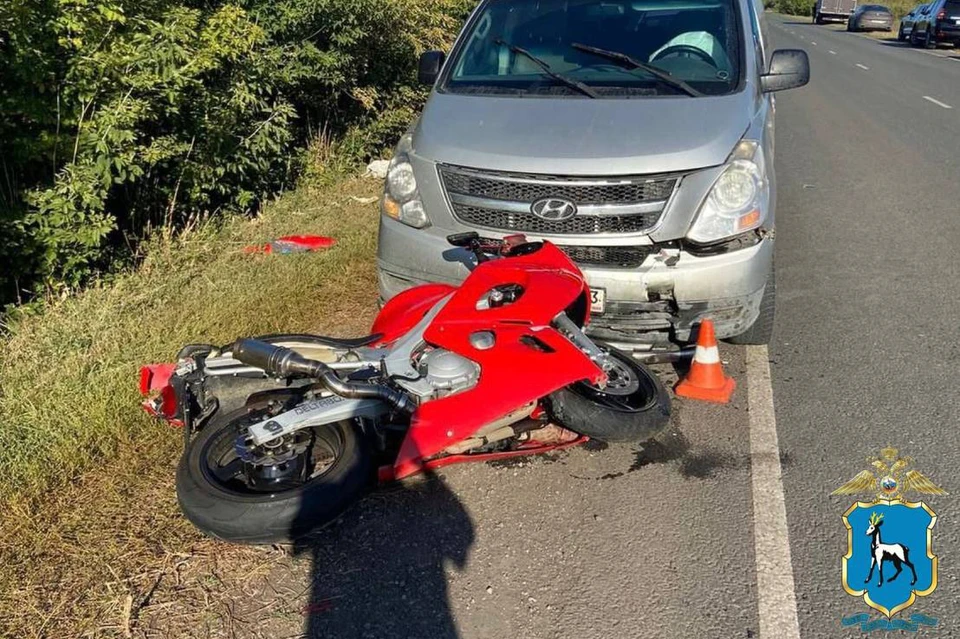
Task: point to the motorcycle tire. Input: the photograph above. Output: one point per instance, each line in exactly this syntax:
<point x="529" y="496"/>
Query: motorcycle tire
<point x="232" y="511"/>
<point x="634" y="407"/>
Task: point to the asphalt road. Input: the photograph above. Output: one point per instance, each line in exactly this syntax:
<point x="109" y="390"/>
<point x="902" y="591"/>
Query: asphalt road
<point x="660" y="542"/>
<point x="867" y="230"/>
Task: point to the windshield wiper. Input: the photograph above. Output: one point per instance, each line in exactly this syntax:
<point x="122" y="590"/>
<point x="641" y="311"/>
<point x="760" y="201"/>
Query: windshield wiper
<point x="570" y="82"/>
<point x="629" y="61"/>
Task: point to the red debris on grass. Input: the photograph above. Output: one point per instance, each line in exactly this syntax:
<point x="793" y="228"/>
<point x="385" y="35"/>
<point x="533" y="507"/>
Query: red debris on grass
<point x="292" y="244"/>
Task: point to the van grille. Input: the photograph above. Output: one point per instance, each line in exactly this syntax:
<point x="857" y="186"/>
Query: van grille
<point x="605" y="205"/>
<point x="608" y="256"/>
<point x="577" y="225"/>
<point x="603" y="191"/>
<point x="604" y="256"/>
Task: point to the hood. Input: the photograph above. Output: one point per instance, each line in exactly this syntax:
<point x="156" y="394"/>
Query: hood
<point x="571" y="136"/>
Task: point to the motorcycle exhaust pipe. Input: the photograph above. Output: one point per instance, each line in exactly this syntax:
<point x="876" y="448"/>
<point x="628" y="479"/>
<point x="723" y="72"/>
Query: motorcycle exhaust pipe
<point x="285" y="362"/>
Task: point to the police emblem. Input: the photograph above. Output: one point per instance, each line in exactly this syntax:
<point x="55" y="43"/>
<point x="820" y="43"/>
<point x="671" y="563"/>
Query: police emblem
<point x="889" y="560"/>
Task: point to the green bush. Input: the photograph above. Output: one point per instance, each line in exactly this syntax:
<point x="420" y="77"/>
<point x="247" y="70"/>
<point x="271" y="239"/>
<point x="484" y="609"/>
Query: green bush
<point x="792" y="7"/>
<point x="119" y="117"/>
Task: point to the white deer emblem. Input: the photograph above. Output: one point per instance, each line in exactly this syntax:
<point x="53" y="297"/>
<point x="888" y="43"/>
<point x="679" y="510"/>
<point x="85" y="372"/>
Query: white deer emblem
<point x="880" y="552"/>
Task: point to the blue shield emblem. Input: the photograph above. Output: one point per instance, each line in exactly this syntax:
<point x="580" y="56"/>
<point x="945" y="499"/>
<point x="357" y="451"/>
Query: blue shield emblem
<point x="889" y="560"/>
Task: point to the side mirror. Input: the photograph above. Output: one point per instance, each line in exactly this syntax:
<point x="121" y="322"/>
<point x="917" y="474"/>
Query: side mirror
<point x="789" y="69"/>
<point x="430" y="64"/>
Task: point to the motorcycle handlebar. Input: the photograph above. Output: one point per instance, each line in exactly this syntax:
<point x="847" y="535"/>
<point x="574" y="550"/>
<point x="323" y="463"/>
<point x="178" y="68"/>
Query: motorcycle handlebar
<point x="511" y="245"/>
<point x="286" y="362"/>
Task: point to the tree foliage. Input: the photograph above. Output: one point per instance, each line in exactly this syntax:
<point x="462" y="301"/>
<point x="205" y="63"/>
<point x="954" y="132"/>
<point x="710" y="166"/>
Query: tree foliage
<point x="119" y="116"/>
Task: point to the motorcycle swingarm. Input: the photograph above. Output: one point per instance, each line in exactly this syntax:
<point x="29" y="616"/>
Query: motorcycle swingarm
<point x="315" y="412"/>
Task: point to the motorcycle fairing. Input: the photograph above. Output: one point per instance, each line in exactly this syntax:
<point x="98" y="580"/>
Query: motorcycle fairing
<point x="399" y="315"/>
<point x="442" y="422"/>
<point x="524" y="340"/>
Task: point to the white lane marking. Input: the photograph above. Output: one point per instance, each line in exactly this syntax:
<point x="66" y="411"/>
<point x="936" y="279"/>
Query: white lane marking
<point x="937" y="102"/>
<point x="863" y="67"/>
<point x="813" y="43"/>
<point x="777" y="599"/>
<point x="832" y="52"/>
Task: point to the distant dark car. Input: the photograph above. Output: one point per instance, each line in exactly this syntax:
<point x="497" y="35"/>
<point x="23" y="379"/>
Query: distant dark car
<point x="871" y="17"/>
<point x="907" y="22"/>
<point x="939" y="25"/>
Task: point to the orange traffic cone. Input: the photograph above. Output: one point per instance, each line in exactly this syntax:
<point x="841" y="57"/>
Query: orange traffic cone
<point x="706" y="380"/>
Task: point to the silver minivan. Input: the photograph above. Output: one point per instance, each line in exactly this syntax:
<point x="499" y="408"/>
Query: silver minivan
<point x="637" y="135"/>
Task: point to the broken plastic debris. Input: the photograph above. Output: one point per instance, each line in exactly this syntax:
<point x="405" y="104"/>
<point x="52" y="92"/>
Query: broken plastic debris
<point x="293" y="244"/>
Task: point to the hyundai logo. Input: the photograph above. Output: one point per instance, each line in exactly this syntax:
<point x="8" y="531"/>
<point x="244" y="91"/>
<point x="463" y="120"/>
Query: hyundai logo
<point x="554" y="209"/>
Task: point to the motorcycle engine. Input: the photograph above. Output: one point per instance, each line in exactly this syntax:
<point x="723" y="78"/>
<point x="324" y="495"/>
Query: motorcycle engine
<point x="448" y="372"/>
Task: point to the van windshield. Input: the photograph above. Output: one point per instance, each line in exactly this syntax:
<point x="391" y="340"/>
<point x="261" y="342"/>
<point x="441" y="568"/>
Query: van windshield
<point x="536" y="47"/>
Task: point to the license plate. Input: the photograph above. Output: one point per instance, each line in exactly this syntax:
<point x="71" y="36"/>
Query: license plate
<point x="598" y="300"/>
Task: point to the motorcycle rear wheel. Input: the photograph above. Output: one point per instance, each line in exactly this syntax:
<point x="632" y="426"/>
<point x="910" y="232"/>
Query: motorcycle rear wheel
<point x="216" y="495"/>
<point x="634" y="407"/>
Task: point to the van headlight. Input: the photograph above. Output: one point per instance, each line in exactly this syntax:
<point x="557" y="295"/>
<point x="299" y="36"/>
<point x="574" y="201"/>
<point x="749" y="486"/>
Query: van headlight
<point x="738" y="200"/>
<point x="401" y="197"/>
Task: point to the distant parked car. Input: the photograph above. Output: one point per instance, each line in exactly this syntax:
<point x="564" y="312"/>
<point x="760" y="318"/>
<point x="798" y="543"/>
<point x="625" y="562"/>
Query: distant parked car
<point x="871" y="17"/>
<point x="907" y="22"/>
<point x="939" y="25"/>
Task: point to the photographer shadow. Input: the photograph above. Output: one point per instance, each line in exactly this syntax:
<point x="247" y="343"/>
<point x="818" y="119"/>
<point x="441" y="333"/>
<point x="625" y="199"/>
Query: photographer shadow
<point x="380" y="570"/>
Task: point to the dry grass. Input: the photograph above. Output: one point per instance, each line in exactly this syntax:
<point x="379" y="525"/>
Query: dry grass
<point x="91" y="541"/>
<point x="110" y="556"/>
<point x="877" y="35"/>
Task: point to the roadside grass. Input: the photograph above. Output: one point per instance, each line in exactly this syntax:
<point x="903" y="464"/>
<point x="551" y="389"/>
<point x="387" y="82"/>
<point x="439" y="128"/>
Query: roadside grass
<point x="877" y="35"/>
<point x="91" y="541"/>
<point x="884" y="35"/>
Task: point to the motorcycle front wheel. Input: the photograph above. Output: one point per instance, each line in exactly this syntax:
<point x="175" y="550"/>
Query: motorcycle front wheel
<point x="286" y="492"/>
<point x="633" y="407"/>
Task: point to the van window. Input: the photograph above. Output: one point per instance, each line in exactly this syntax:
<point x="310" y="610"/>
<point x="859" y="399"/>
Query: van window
<point x="697" y="41"/>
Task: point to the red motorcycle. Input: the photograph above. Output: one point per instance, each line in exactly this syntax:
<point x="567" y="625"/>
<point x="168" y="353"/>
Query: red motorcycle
<point x="284" y="431"/>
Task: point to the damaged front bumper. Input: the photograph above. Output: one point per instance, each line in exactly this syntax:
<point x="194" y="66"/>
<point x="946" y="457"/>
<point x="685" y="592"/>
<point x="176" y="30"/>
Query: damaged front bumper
<point x="679" y="290"/>
<point x="651" y="305"/>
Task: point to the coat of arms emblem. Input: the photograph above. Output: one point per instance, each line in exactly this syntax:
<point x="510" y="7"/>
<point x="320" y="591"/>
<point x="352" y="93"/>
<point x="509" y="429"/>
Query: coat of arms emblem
<point x="889" y="560"/>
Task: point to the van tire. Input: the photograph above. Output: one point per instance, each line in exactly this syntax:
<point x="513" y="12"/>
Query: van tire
<point x="761" y="332"/>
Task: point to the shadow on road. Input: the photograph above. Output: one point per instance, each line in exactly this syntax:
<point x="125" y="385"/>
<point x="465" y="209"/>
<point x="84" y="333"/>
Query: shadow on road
<point x="379" y="571"/>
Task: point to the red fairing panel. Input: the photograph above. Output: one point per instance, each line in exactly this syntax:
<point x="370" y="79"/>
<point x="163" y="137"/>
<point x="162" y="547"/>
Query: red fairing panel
<point x="405" y="310"/>
<point x="550" y="286"/>
<point x="154" y="377"/>
<point x="551" y="283"/>
<point x="155" y="380"/>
